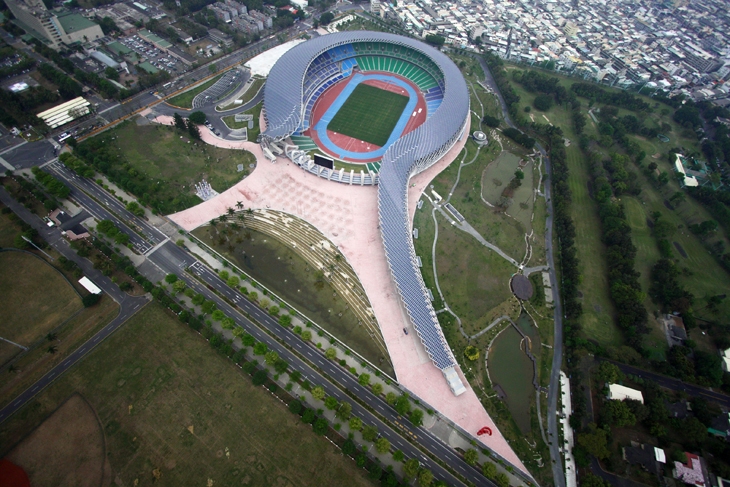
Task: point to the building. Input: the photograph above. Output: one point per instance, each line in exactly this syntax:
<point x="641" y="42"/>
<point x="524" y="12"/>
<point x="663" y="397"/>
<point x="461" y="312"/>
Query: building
<point x="693" y="472"/>
<point x="65" y="112"/>
<point x="650" y="458"/>
<point x="617" y="392"/>
<point x="726" y="360"/>
<point x="70" y="226"/>
<point x="688" y="181"/>
<point x="51" y="28"/>
<point x="220" y="38"/>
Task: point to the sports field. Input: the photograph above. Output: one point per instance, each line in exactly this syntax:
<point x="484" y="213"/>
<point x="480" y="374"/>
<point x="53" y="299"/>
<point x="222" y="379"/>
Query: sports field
<point x="369" y="114"/>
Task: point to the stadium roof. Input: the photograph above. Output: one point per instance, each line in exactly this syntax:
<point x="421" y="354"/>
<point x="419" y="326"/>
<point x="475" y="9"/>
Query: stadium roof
<point x="406" y="157"/>
<point x="65" y="112"/>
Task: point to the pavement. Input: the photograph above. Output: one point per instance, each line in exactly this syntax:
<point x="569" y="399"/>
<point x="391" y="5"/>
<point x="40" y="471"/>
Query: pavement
<point x="128" y="305"/>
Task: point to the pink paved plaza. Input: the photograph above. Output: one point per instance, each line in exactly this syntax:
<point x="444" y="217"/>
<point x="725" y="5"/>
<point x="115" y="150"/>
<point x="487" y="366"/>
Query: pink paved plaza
<point x="348" y="216"/>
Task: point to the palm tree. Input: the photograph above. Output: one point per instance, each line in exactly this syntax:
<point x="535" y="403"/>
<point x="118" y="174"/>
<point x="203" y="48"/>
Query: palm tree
<point x="222" y="218"/>
<point x="239" y="205"/>
<point x="51" y="336"/>
<point x="230" y="211"/>
<point x="213" y="222"/>
<point x="249" y="211"/>
<point x="52" y="349"/>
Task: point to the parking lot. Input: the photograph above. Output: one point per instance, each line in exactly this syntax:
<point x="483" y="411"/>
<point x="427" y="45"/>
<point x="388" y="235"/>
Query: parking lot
<point x="155" y="56"/>
<point x="229" y="82"/>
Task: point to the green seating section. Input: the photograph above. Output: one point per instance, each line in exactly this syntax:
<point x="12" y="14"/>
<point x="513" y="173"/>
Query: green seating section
<point x="376" y="56"/>
<point x="304" y="143"/>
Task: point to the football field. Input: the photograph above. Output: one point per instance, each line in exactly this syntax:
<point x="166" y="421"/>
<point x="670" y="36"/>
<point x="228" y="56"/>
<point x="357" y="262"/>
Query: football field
<point x="369" y="114"/>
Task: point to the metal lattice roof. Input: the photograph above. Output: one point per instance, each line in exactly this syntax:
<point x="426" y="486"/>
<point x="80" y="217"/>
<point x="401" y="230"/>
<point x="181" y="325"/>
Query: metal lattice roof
<point x="406" y="157"/>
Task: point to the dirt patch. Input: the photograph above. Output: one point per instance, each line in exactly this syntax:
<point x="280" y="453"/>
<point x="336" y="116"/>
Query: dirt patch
<point x="66" y="449"/>
<point x="680" y="249"/>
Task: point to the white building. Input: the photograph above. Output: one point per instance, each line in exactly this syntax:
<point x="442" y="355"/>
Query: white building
<point x="618" y="392"/>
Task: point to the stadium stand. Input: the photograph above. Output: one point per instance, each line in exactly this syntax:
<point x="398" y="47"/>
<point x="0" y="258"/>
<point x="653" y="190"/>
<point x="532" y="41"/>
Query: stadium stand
<point x="292" y="84"/>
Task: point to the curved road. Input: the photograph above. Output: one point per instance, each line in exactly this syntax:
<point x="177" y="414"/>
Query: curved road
<point x="554" y="389"/>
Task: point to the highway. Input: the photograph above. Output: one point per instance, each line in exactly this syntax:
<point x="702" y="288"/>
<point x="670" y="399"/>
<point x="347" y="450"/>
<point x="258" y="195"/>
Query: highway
<point x="128" y="305"/>
<point x="171" y="258"/>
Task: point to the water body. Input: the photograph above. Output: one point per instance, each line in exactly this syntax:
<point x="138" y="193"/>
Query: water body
<point x="280" y="269"/>
<point x="511" y="369"/>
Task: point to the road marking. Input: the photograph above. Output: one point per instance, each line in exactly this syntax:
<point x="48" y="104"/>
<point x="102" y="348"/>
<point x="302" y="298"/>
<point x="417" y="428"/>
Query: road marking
<point x="36" y="387"/>
<point x="50" y="376"/>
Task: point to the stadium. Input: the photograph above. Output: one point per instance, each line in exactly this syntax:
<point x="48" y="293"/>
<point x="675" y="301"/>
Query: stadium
<point x="394" y="106"/>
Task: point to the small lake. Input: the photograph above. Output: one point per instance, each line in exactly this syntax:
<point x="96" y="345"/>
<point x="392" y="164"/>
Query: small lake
<point x="512" y="371"/>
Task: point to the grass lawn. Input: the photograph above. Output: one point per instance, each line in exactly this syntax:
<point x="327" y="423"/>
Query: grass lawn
<point x="167" y="401"/>
<point x="185" y="100"/>
<point x="37" y="361"/>
<point x="160" y="153"/>
<point x="369" y="114"/>
<point x="34" y="297"/>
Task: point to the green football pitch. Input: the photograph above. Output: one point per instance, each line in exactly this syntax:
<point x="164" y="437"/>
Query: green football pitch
<point x="369" y="114"/>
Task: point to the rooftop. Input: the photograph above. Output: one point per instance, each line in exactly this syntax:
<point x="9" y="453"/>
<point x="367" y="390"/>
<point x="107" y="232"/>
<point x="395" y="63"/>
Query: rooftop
<point x="72" y="22"/>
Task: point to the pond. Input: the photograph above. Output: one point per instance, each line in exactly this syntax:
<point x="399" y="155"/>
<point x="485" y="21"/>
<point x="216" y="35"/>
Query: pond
<point x="279" y="268"/>
<point x="512" y="371"/>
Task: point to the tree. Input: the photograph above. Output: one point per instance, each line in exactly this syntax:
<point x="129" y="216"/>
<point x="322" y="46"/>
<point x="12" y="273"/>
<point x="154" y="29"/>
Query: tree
<point x="416" y="417"/>
<point x="170" y="278"/>
<point x="382" y="445"/>
<point x="543" y="102"/>
<point x="591" y="480"/>
<point x="398" y="456"/>
<point x="52" y="349"/>
<point x="344" y="411"/>
<point x="369" y="433"/>
<point x="608" y="372"/>
<point x="410" y="469"/>
<point x="260" y="348"/>
<point x="403" y="405"/>
<point x="377" y="388"/>
<point x="271" y="357"/>
<point x="193" y="131"/>
<point x="308" y="416"/>
<point x="306" y="335"/>
<point x="179" y="286"/>
<point x="331" y="403"/>
<point x="233" y="281"/>
<point x="435" y="40"/>
<point x="391" y="398"/>
<point x="355" y="423"/>
<point x="375" y="471"/>
<point x="501" y="480"/>
<point x="326" y="18"/>
<point x="198" y="117"/>
<point x="693" y="431"/>
<point x="218" y="315"/>
<point x="208" y="307"/>
<point x="285" y="320"/>
<point x="295" y="406"/>
<point x="489" y="470"/>
<point x="425" y="478"/>
<point x="318" y="393"/>
<point x="617" y="413"/>
<point x="349" y="448"/>
<point x="259" y="377"/>
<point x="331" y="353"/>
<point x="179" y="122"/>
<point x="595" y="442"/>
<point x="471" y="456"/>
<point x="364" y="379"/>
<point x="320" y="426"/>
<point x="491" y="121"/>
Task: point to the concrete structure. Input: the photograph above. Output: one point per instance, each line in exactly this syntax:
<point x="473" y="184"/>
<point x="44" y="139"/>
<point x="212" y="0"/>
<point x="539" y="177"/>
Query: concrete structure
<point x="65" y="112"/>
<point x="618" y="392"/>
<point x="285" y="112"/>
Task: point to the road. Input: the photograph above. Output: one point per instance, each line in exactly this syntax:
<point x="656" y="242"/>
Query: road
<point x="170" y="258"/>
<point x="674" y="384"/>
<point x="128" y="305"/>
<point x="554" y="388"/>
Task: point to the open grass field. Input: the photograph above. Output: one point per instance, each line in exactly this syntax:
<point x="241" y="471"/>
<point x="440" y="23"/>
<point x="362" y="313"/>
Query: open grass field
<point x="34" y="296"/>
<point x="160" y="153"/>
<point x="185" y="100"/>
<point x="66" y="449"/>
<point x="167" y="402"/>
<point x="369" y="114"/>
<point x="279" y="268"/>
<point x="37" y="361"/>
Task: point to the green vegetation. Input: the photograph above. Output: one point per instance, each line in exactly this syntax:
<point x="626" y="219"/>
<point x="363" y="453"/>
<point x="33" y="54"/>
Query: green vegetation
<point x="369" y="114"/>
<point x="160" y="410"/>
<point x="35" y="299"/>
<point x="253" y="133"/>
<point x="185" y="100"/>
<point x="159" y="166"/>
